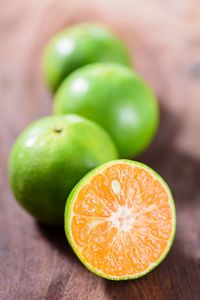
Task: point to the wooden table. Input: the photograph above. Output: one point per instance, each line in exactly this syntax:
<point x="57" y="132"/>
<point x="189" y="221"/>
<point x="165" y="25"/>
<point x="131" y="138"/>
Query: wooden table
<point x="35" y="260"/>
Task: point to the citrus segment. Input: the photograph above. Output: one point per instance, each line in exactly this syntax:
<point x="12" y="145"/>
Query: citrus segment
<point x="120" y="220"/>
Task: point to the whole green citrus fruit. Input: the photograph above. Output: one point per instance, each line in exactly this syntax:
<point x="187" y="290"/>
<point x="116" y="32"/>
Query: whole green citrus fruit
<point x="80" y="45"/>
<point x="115" y="97"/>
<point x="50" y="157"/>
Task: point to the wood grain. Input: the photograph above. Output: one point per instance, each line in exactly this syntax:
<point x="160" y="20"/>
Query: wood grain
<point x="35" y="260"/>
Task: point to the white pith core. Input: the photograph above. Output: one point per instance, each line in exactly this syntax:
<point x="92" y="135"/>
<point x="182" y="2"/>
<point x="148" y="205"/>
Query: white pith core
<point x="123" y="219"/>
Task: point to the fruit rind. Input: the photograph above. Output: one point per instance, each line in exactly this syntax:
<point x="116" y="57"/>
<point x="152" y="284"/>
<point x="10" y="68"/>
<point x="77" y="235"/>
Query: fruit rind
<point x="69" y="208"/>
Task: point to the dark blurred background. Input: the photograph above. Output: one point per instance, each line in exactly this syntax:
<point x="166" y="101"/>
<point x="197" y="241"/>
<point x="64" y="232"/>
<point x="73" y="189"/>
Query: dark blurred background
<point x="164" y="37"/>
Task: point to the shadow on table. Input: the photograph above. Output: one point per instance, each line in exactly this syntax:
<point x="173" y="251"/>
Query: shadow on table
<point x="182" y="174"/>
<point x="55" y="235"/>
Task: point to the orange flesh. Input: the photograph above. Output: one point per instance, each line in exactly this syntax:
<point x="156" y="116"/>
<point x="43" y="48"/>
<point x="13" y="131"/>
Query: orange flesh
<point x="122" y="220"/>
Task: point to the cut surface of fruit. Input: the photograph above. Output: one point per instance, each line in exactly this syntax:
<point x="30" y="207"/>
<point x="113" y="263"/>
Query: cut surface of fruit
<point x="120" y="220"/>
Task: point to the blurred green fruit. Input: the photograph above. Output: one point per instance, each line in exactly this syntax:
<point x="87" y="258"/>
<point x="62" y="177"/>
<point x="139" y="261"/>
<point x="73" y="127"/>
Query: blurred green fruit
<point x="80" y="45"/>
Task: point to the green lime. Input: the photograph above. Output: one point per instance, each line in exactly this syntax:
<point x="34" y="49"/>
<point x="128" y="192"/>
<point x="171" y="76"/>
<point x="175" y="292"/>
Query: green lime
<point x="120" y="220"/>
<point x="115" y="97"/>
<point x="50" y="157"/>
<point x="80" y="45"/>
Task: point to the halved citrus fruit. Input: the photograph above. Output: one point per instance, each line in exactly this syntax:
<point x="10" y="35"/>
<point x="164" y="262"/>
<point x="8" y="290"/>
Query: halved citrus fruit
<point x="120" y="220"/>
